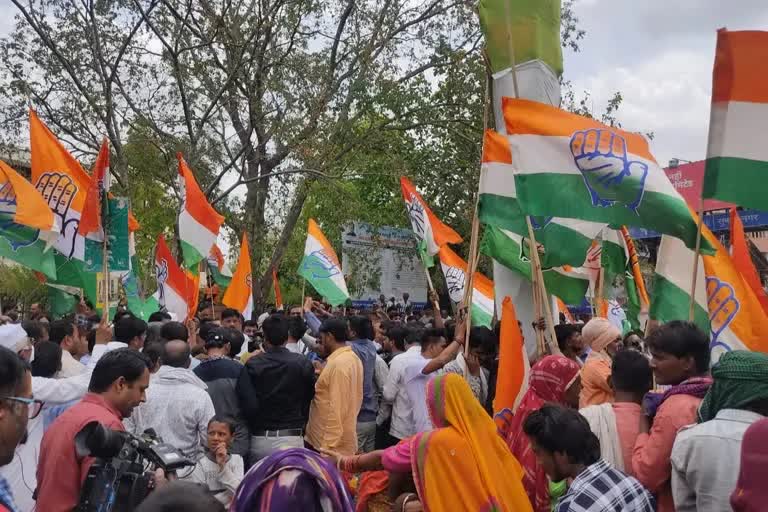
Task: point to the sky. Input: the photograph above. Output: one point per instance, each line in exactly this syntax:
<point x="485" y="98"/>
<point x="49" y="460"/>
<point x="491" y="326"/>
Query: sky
<point x="659" y="55"/>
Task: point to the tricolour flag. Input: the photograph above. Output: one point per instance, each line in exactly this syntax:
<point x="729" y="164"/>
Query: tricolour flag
<point x="177" y="289"/>
<point x="321" y="268"/>
<point x="217" y="265"/>
<point x="199" y="223"/>
<point x="430" y="232"/>
<point x="512" y="377"/>
<point x="725" y="305"/>
<point x="565" y="241"/>
<point x="91" y="221"/>
<point x="737" y="156"/>
<point x="512" y="250"/>
<point x="572" y="166"/>
<point x="62" y="182"/>
<point x="27" y="225"/>
<point x="239" y="294"/>
<point x="455" y="272"/>
<point x="743" y="260"/>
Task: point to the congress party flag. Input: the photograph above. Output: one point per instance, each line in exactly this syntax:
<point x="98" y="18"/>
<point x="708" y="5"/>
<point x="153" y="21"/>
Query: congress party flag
<point x="239" y="294"/>
<point x="737" y="155"/>
<point x="565" y="241"/>
<point x="514" y="367"/>
<point x="199" y="223"/>
<point x="430" y="232"/>
<point x="743" y="260"/>
<point x="222" y="274"/>
<point x="276" y="289"/>
<point x="63" y="184"/>
<point x="455" y="270"/>
<point x="512" y="250"/>
<point x="321" y="268"/>
<point x="177" y="289"/>
<point x="572" y="166"/>
<point x="91" y="221"/>
<point x="27" y="225"/>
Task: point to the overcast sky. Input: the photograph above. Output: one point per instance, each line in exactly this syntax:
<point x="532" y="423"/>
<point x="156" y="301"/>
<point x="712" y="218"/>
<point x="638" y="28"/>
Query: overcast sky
<point x="659" y="55"/>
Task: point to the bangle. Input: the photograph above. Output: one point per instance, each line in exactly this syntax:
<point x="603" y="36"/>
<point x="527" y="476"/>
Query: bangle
<point x="406" y="500"/>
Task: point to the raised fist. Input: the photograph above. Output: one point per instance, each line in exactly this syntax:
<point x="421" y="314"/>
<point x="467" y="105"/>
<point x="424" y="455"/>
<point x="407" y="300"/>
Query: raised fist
<point x="722" y="304"/>
<point x="611" y="178"/>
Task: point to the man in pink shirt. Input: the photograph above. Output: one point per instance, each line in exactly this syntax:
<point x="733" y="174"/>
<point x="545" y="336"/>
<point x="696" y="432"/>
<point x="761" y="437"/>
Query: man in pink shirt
<point x="117" y="386"/>
<point x="680" y="358"/>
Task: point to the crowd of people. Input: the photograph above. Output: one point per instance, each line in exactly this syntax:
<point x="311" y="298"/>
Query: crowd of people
<point x="381" y="409"/>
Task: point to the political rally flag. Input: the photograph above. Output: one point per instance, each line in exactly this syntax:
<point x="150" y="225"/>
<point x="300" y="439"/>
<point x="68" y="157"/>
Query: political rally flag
<point x="218" y="267"/>
<point x="737" y="156"/>
<point x="512" y="377"/>
<point x="91" y="221"/>
<point x="276" y="288"/>
<point x="239" y="294"/>
<point x="565" y="241"/>
<point x="27" y="225"/>
<point x="455" y="271"/>
<point x="513" y="251"/>
<point x="177" y="289"/>
<point x="743" y="260"/>
<point x="430" y="232"/>
<point x="572" y="166"/>
<point x="199" y="223"/>
<point x="321" y="268"/>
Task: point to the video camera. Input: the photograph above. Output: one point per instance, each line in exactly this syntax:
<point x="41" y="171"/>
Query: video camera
<point x="123" y="474"/>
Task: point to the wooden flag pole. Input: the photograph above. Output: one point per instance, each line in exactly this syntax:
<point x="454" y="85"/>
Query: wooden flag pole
<point x="694" y="274"/>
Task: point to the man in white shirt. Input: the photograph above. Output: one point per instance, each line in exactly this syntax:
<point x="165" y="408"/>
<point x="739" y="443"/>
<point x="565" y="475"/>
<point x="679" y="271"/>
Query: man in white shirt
<point x="706" y="457"/>
<point x="416" y="375"/>
<point x="402" y="425"/>
<point x="73" y="347"/>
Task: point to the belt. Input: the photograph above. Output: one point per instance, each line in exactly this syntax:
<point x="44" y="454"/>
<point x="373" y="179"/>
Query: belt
<point x="290" y="432"/>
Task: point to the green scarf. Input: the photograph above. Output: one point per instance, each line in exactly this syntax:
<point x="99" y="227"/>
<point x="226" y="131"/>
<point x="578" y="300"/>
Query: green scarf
<point x="739" y="378"/>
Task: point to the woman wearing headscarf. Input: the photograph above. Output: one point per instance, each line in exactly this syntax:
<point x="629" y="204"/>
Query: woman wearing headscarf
<point x="603" y="338"/>
<point x="461" y="465"/>
<point x="293" y="479"/>
<point x="553" y="379"/>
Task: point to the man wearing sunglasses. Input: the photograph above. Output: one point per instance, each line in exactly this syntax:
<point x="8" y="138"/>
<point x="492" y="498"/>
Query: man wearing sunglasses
<point x="16" y="407"/>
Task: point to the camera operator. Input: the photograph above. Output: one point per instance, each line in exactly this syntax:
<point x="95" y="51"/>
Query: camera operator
<point x="118" y="384"/>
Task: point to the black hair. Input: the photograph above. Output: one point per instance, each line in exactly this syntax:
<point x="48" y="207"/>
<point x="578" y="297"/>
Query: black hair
<point x="483" y="339"/>
<point x="226" y="420"/>
<point x="34" y="330"/>
<point x="181" y="496"/>
<point x="159" y="316"/>
<point x="174" y="358"/>
<point x="9" y="307"/>
<point x="47" y="359"/>
<point x="174" y="331"/>
<point x="235" y="339"/>
<point x="431" y="337"/>
<point x="275" y="328"/>
<point x="563" y="333"/>
<point x="630" y="371"/>
<point x="398" y="335"/>
<point x="250" y="323"/>
<point x="682" y="339"/>
<point x="297" y="327"/>
<point x="361" y="326"/>
<point x="123" y="362"/>
<point x="229" y="313"/>
<point x="204" y="305"/>
<point x="91" y="339"/>
<point x="12" y="369"/>
<point x="153" y="350"/>
<point x="336" y="327"/>
<point x="129" y="327"/>
<point x="547" y="425"/>
<point x="60" y="329"/>
<point x="206" y="328"/>
<point x="450" y="329"/>
<point x="413" y="334"/>
<point x="120" y="314"/>
<point x="215" y="338"/>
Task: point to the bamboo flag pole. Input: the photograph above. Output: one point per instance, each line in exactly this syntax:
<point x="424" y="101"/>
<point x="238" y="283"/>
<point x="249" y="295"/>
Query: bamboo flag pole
<point x="694" y="274"/>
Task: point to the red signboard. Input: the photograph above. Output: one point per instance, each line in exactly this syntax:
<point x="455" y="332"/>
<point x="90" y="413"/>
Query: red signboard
<point x="688" y="179"/>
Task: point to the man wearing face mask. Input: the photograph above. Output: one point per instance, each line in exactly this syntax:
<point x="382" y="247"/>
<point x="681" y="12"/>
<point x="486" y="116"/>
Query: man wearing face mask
<point x="16" y="406"/>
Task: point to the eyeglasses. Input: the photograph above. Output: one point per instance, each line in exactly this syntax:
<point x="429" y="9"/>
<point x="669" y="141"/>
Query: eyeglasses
<point x="33" y="406"/>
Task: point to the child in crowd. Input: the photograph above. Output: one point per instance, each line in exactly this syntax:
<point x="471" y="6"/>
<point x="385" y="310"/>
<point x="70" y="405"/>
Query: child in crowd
<point x="219" y="470"/>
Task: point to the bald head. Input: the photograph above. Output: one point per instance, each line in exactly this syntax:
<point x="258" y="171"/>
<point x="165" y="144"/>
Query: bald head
<point x="176" y="354"/>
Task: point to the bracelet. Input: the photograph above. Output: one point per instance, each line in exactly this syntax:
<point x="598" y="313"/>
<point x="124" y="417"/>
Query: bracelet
<point x="406" y="500"/>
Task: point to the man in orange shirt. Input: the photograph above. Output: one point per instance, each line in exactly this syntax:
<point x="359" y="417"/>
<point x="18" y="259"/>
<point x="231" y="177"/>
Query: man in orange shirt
<point x="333" y="413"/>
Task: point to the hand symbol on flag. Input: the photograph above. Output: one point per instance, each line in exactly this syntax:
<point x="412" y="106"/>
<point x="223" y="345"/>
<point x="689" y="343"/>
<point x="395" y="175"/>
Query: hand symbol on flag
<point x="722" y="305"/>
<point x="321" y="266"/>
<point x="161" y="273"/>
<point x="59" y="191"/>
<point x="610" y="176"/>
<point x="418" y="217"/>
<point x="454" y="280"/>
<point x="16" y="235"/>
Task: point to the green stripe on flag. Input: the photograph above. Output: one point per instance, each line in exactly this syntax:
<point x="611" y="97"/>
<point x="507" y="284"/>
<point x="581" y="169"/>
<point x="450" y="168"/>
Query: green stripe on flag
<point x="556" y="194"/>
<point x="670" y="302"/>
<point x="22" y="245"/>
<point x="562" y="245"/>
<point x="737" y="180"/>
<point x="480" y="317"/>
<point x="312" y="269"/>
<point x="191" y="256"/>
<point x="613" y="259"/>
<point x="633" y="300"/>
